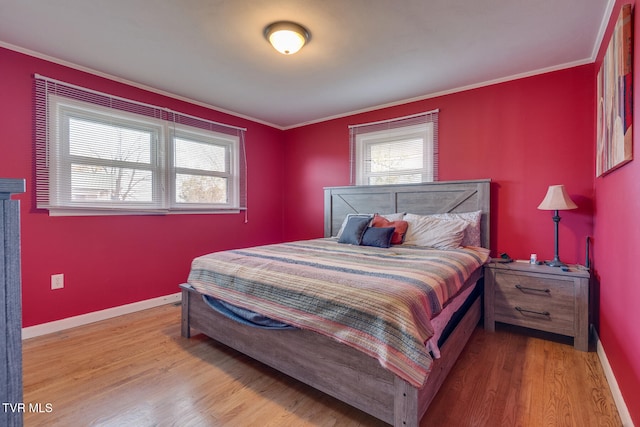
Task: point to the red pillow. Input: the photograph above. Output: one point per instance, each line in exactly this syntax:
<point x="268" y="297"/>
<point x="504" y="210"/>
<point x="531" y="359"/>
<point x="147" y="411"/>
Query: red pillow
<point x="398" y="233"/>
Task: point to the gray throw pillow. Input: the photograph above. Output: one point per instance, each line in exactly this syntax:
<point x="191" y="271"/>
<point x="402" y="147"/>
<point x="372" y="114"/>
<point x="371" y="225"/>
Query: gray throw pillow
<point x="354" y="229"/>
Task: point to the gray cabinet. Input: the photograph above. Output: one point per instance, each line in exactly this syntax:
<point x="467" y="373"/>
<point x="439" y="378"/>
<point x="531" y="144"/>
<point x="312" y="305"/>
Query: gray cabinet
<point x="11" y="301"/>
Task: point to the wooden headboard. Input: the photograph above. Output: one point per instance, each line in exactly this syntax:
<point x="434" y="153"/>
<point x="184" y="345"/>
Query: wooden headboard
<point x="420" y="199"/>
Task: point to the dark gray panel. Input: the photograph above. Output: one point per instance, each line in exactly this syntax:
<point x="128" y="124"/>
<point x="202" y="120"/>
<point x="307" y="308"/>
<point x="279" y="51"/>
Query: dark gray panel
<point x="11" y="302"/>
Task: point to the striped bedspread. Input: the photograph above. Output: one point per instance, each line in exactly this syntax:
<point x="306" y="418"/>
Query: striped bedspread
<point x="377" y="300"/>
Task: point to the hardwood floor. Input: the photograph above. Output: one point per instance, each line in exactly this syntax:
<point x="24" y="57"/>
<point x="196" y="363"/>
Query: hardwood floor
<point x="136" y="370"/>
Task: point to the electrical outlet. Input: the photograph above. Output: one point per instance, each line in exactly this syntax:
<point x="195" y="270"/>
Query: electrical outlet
<point x="57" y="281"/>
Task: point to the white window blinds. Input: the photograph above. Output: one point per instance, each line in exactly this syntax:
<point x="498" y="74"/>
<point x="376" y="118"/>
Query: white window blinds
<point x="397" y="151"/>
<point x="95" y="151"/>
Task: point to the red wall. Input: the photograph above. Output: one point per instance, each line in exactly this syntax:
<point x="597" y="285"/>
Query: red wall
<point x="616" y="250"/>
<point x="111" y="261"/>
<point x="525" y="135"/>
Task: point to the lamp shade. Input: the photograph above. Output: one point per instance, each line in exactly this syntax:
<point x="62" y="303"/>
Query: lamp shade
<point x="557" y="199"/>
<point x="286" y="37"/>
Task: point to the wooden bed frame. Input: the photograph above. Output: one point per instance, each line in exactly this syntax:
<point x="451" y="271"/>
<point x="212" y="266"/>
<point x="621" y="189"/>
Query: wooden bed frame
<point x="337" y="369"/>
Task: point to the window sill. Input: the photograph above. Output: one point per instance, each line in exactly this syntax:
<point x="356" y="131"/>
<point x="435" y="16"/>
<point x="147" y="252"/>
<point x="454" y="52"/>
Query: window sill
<point x="136" y="212"/>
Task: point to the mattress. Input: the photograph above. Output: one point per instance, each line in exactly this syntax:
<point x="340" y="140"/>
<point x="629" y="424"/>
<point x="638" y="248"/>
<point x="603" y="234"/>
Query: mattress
<point x="449" y="317"/>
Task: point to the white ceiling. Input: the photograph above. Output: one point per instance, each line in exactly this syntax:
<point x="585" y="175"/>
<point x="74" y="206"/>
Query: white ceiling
<point x="362" y="54"/>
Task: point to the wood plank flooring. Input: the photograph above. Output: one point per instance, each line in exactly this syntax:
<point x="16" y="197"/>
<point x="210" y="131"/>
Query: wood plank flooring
<point x="136" y="370"/>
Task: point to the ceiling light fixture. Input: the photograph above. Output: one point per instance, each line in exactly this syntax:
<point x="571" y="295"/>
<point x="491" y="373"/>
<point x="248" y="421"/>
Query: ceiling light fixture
<point x="286" y="37"/>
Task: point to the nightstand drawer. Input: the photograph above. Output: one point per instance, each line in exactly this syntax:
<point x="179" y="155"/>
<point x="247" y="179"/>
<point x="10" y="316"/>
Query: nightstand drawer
<point x="536" y="302"/>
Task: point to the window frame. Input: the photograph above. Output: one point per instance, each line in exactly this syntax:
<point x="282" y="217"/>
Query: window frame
<point x="60" y="110"/>
<point x="364" y="142"/>
<point x="231" y="145"/>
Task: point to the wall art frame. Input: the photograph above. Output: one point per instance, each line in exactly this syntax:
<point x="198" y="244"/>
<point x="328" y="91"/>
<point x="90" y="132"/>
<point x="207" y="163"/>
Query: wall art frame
<point x="615" y="98"/>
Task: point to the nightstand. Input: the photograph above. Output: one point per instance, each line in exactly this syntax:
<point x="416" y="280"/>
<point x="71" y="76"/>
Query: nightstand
<point x="538" y="297"/>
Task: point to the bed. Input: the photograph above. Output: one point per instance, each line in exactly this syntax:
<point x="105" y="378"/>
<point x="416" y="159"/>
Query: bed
<point x="345" y="371"/>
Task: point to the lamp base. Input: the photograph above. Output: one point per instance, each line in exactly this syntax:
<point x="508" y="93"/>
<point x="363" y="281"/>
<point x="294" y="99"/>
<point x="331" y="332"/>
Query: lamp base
<point x="555" y="263"/>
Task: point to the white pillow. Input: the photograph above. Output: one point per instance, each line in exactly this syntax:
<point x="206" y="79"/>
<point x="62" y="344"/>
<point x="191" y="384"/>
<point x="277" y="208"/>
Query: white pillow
<point x="391" y="217"/>
<point x="472" y="234"/>
<point x="434" y="232"/>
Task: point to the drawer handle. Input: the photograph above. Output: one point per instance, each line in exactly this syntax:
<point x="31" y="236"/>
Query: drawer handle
<point x="542" y="313"/>
<point x="524" y="288"/>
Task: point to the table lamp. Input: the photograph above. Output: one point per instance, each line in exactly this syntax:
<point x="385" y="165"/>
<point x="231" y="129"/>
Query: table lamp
<point x="556" y="200"/>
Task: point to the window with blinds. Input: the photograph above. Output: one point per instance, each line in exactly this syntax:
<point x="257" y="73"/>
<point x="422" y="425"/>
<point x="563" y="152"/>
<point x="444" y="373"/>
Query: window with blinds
<point x="397" y="151"/>
<point x="100" y="154"/>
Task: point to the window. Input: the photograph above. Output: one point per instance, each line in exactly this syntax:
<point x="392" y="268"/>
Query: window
<point x="397" y="151"/>
<point x="97" y="154"/>
<point x="204" y="168"/>
<point x="98" y="159"/>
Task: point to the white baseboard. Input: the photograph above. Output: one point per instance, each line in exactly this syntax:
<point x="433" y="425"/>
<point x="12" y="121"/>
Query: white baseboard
<point x="623" y="411"/>
<point x="84" y="319"/>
